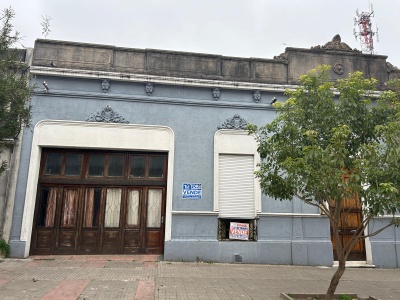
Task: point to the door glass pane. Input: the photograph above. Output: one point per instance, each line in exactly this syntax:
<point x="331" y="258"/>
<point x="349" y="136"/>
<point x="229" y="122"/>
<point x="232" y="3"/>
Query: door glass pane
<point x="133" y="208"/>
<point x="92" y="207"/>
<point x="53" y="163"/>
<point x="138" y="166"/>
<point x="113" y="207"/>
<point x="68" y="215"/>
<point x="73" y="164"/>
<point x="96" y="165"/>
<point x="156" y="166"/>
<point x="47" y="207"/>
<point x="154" y="204"/>
<point x="115" y="165"/>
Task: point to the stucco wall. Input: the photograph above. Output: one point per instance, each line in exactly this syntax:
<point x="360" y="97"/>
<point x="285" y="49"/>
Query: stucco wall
<point x="289" y="232"/>
<point x="194" y="116"/>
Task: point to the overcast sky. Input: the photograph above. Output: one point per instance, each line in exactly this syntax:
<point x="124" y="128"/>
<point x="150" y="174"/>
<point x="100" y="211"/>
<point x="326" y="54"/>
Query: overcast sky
<point x="244" y="28"/>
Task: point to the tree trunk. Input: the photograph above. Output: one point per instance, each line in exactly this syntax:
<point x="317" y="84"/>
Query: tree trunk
<point x="335" y="279"/>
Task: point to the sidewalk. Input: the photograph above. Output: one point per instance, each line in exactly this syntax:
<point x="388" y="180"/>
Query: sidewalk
<point x="144" y="277"/>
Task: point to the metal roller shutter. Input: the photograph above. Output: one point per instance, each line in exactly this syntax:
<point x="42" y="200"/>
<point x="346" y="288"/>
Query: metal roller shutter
<point x="236" y="186"/>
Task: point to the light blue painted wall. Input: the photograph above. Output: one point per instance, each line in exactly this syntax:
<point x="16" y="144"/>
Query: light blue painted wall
<point x="385" y="245"/>
<point x="194" y="116"/>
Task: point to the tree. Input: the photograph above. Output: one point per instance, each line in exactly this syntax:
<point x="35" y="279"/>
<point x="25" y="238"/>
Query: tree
<point x="324" y="148"/>
<point x="14" y="89"/>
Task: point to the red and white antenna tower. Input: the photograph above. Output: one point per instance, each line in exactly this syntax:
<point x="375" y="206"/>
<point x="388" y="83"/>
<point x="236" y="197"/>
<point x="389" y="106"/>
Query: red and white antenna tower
<point x="365" y="33"/>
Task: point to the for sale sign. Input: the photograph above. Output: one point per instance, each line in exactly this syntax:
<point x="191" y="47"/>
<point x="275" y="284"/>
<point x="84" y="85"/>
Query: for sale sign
<point x="191" y="191"/>
<point x="239" y="231"/>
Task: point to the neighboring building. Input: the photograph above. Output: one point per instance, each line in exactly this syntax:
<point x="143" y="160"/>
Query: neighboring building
<point x="10" y="152"/>
<point x="143" y="151"/>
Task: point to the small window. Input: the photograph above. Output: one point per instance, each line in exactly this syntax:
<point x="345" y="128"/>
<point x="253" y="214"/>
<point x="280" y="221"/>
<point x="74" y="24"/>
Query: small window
<point x="133" y="207"/>
<point x="115" y="165"/>
<point x="113" y="208"/>
<point x="53" y="163"/>
<point x="227" y="227"/>
<point x="154" y="207"/>
<point x="96" y="165"/>
<point x="138" y="167"/>
<point x="73" y="164"/>
<point x="92" y="207"/>
<point x="47" y="209"/>
<point x="156" y="166"/>
<point x="69" y="208"/>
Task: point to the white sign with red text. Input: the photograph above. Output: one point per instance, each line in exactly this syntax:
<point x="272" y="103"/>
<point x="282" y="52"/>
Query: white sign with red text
<point x="238" y="231"/>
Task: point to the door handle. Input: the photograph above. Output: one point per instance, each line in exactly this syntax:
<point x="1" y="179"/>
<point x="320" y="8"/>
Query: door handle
<point x="162" y="220"/>
<point x="353" y="231"/>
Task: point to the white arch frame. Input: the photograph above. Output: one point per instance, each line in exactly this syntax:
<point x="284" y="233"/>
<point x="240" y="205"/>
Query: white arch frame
<point x="94" y="135"/>
<point x="228" y="141"/>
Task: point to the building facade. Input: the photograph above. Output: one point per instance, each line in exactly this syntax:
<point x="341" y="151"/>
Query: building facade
<point x="144" y="151"/>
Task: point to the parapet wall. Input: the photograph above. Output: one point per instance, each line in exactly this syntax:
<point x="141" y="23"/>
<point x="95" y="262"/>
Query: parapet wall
<point x="283" y="69"/>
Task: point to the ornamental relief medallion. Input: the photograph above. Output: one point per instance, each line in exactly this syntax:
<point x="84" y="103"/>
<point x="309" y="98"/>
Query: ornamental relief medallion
<point x="107" y="115"/>
<point x="338" y="68"/>
<point x="235" y="123"/>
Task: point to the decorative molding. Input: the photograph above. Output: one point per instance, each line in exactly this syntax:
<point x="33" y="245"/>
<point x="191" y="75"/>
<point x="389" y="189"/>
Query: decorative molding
<point x="235" y="123"/>
<point x="291" y="215"/>
<point x="338" y="68"/>
<point x="216" y="94"/>
<point x="282" y="56"/>
<point x="149" y="89"/>
<point x="168" y="80"/>
<point x="155" y="99"/>
<point x="194" y="213"/>
<point x="105" y="85"/>
<point x="257" y="96"/>
<point x="143" y="78"/>
<point x="107" y="115"/>
<point x="336" y="45"/>
<point x="391" y="67"/>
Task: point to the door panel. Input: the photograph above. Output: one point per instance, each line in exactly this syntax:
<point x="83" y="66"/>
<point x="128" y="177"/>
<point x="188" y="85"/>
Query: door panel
<point x="44" y="240"/>
<point x="93" y="202"/>
<point x="112" y="216"/>
<point x="351" y="218"/>
<point x="133" y="208"/>
<point x="110" y="242"/>
<point x="66" y="239"/>
<point x="132" y="229"/>
<point x="88" y="242"/>
<point x="43" y="236"/>
<point x="154" y="208"/>
<point x="66" y="234"/>
<point x="154" y="221"/>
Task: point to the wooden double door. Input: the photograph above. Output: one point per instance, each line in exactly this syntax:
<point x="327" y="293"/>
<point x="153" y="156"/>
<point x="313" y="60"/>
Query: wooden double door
<point x="100" y="203"/>
<point x="351" y="218"/>
<point x="94" y="220"/>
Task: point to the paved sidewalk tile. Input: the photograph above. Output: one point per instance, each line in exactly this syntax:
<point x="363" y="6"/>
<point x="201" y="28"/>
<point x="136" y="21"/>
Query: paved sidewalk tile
<point x="105" y="290"/>
<point x="25" y="289"/>
<point x="3" y="281"/>
<point x="94" y="264"/>
<point x="145" y="277"/>
<point x="145" y="290"/>
<point x="67" y="290"/>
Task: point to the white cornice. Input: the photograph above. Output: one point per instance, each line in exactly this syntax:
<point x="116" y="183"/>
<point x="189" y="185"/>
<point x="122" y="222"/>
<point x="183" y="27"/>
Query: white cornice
<point x="194" y="212"/>
<point x="130" y="77"/>
<point x="169" y="80"/>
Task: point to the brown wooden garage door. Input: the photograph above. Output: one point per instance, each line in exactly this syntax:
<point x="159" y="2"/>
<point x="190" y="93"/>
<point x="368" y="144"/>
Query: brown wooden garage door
<point x="92" y="202"/>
